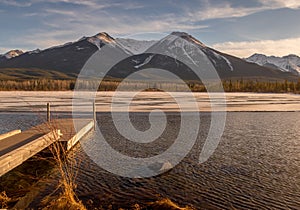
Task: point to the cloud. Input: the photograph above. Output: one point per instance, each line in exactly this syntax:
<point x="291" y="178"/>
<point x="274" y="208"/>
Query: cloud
<point x="60" y="12"/>
<point x="223" y="10"/>
<point x="16" y="3"/>
<point x="293" y="4"/>
<point x="58" y="30"/>
<point x="68" y="20"/>
<point x="92" y="22"/>
<point x="43" y="39"/>
<point x="244" y="49"/>
<point x="30" y="14"/>
<point x="78" y="2"/>
<point x="226" y="9"/>
<point x="96" y="4"/>
<point x="4" y="50"/>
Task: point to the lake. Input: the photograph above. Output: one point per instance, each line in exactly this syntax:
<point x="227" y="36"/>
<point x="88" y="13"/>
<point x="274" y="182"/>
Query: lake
<point x="255" y="166"/>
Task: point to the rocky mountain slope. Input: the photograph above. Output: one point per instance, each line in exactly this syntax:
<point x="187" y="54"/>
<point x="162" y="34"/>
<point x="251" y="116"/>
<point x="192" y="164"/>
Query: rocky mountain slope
<point x="66" y="61"/>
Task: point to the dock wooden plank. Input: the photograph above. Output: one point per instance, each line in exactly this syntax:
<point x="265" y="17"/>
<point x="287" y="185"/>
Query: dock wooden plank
<point x="13" y="142"/>
<point x="83" y="131"/>
<point x="67" y="128"/>
<point x="17" y="156"/>
<point x="8" y="134"/>
<point x="16" y="149"/>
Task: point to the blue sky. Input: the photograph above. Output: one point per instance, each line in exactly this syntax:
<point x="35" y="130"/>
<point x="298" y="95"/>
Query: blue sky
<point x="238" y="27"/>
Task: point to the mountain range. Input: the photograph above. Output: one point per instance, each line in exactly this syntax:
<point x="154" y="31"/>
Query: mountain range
<point x="66" y="61"/>
<point x="289" y="63"/>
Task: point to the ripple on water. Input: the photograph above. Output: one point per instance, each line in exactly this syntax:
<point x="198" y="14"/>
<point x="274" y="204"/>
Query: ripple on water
<point x="256" y="166"/>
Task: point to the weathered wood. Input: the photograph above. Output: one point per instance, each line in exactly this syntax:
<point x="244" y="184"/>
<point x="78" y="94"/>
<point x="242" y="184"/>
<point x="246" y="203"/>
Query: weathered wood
<point x="16" y="149"/>
<point x="94" y="115"/>
<point x="16" y="157"/>
<point x="48" y="112"/>
<point x="74" y="140"/>
<point x="8" y="134"/>
<point x="70" y="135"/>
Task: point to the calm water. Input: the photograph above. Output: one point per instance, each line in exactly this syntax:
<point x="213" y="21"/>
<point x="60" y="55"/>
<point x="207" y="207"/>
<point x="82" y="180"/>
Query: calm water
<point x="256" y="165"/>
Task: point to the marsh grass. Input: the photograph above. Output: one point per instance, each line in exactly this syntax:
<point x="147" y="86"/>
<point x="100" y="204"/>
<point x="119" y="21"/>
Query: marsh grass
<point x="167" y="204"/>
<point x="4" y="200"/>
<point x="66" y="167"/>
<point x="161" y="204"/>
<point x="52" y="165"/>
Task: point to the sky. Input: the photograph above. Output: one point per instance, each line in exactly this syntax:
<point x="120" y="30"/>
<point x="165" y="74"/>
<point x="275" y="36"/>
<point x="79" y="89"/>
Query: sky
<point x="237" y="27"/>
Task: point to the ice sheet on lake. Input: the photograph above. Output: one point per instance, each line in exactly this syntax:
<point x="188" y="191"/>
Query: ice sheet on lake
<point x="147" y="101"/>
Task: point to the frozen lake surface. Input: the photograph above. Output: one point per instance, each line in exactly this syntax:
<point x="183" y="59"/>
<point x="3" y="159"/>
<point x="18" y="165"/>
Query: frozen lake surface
<point x="12" y="101"/>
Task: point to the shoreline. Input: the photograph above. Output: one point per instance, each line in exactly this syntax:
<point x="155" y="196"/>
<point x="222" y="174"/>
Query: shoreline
<point x="147" y="91"/>
<point x="148" y="112"/>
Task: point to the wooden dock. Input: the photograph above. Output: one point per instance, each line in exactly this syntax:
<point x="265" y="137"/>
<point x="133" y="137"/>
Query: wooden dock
<point x="16" y="147"/>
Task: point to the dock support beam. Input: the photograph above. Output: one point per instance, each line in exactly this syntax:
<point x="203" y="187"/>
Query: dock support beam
<point x="94" y="115"/>
<point x="48" y="112"/>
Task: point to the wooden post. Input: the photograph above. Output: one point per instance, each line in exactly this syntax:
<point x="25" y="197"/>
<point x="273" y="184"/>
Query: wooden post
<point x="48" y="112"/>
<point x="94" y="115"/>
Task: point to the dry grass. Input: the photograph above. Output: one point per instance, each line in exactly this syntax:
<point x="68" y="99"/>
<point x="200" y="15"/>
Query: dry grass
<point x="63" y="202"/>
<point x="167" y="204"/>
<point x="4" y="200"/>
<point x="65" y="163"/>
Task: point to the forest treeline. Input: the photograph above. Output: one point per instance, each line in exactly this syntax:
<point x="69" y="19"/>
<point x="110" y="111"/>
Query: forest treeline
<point x="111" y="85"/>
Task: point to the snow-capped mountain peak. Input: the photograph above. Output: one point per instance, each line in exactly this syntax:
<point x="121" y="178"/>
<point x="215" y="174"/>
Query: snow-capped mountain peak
<point x="69" y="59"/>
<point x="188" y="37"/>
<point x="13" y="53"/>
<point x="135" y="46"/>
<point x="34" y="51"/>
<point x="105" y="37"/>
<point x="178" y="41"/>
<point x="129" y="46"/>
<point x="100" y="39"/>
<point x="288" y="63"/>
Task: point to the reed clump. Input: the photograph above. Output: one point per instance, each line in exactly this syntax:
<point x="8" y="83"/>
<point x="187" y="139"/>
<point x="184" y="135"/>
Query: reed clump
<point x="66" y="166"/>
<point x="4" y="200"/>
<point x="167" y="204"/>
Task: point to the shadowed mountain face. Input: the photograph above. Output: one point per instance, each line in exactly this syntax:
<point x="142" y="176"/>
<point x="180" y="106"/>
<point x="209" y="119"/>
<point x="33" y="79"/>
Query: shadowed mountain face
<point x="66" y="61"/>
